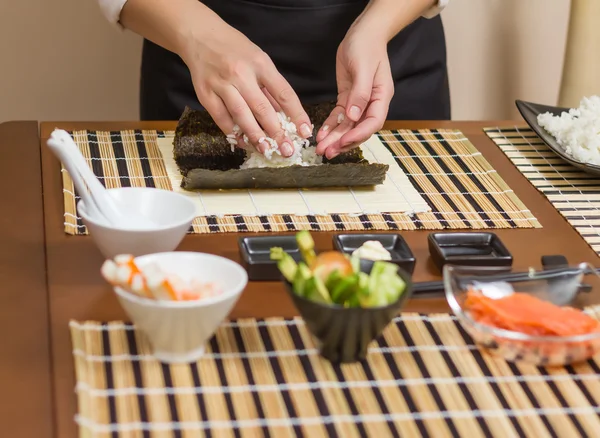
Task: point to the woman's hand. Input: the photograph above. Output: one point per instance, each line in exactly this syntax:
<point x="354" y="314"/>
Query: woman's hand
<point x="365" y="89"/>
<point x="238" y="84"/>
<point x="364" y="77"/>
<point x="235" y="81"/>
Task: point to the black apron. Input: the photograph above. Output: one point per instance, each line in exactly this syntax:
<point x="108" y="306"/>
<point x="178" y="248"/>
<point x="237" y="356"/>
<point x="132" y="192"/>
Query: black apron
<point x="302" y="37"/>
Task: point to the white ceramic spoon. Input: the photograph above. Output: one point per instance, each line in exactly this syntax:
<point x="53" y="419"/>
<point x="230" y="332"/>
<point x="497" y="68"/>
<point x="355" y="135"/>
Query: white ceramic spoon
<point x="96" y="197"/>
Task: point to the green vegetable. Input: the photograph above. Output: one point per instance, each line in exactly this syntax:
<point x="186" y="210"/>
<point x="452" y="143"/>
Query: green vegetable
<point x="343" y="287"/>
<point x="316" y="290"/>
<point x="334" y="278"/>
<point x="303" y="274"/>
<point x="384" y="285"/>
<point x="276" y="253"/>
<point x="355" y="261"/>
<point x="286" y="264"/>
<point x="306" y="245"/>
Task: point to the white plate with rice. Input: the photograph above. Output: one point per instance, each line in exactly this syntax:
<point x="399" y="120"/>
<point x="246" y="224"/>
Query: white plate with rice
<point x="572" y="133"/>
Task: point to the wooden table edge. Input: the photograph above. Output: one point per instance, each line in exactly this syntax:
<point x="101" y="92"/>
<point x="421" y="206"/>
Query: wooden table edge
<point x="26" y="395"/>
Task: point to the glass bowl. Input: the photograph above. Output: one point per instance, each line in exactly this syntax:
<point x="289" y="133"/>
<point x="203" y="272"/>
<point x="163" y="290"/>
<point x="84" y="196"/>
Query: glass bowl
<point x="559" y="286"/>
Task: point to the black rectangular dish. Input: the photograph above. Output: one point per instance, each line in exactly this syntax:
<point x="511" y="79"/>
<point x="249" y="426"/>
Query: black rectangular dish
<point x="468" y="249"/>
<point x="256" y="259"/>
<point x="399" y="250"/>
<point x="207" y="161"/>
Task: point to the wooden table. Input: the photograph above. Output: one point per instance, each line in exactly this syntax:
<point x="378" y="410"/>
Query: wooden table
<point x="75" y="289"/>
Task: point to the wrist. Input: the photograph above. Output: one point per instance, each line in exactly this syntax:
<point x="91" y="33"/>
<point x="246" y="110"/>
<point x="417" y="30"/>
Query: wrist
<point x="384" y="19"/>
<point x="191" y="38"/>
<point x="366" y="29"/>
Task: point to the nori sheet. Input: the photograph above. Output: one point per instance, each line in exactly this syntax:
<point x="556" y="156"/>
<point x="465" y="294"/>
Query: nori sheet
<point x="292" y="177"/>
<point x="205" y="159"/>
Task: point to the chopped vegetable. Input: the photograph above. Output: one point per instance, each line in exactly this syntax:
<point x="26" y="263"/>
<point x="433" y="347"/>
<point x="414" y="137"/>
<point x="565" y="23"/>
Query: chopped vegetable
<point x="151" y="282"/>
<point x="307" y="246"/>
<point x="285" y="263"/>
<point x="334" y="278"/>
<point x="327" y="262"/>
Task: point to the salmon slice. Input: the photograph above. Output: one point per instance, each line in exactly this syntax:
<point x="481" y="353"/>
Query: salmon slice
<point x="527" y="314"/>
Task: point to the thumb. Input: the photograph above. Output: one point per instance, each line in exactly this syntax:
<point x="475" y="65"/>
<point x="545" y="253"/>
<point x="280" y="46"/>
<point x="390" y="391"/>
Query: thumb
<point x="360" y="94"/>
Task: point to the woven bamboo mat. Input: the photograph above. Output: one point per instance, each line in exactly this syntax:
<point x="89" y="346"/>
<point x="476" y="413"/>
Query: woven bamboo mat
<point x="574" y="193"/>
<point x="461" y="188"/>
<point x="423" y="377"/>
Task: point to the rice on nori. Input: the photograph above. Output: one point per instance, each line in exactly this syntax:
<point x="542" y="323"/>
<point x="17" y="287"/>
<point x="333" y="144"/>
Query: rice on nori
<point x="208" y="159"/>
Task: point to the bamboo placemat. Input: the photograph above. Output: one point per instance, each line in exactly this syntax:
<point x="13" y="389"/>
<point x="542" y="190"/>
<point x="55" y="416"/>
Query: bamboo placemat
<point x="461" y="188"/>
<point x="423" y="377"/>
<point x="574" y="193"/>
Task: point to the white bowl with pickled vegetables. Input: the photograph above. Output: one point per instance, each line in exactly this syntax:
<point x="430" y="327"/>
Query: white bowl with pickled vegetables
<point x="177" y="299"/>
<point x="346" y="302"/>
<point x="172" y="213"/>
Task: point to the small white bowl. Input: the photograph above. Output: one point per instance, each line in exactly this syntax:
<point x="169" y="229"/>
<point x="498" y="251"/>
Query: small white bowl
<point x="179" y="330"/>
<point x="172" y="211"/>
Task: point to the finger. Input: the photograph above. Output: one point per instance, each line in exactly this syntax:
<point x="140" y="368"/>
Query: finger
<point x="371" y="123"/>
<point x="331" y="142"/>
<point x="218" y="111"/>
<point x="288" y="100"/>
<point x="360" y="93"/>
<point x="377" y="110"/>
<point x="242" y="114"/>
<point x="271" y="99"/>
<point x="335" y="118"/>
<point x="266" y="116"/>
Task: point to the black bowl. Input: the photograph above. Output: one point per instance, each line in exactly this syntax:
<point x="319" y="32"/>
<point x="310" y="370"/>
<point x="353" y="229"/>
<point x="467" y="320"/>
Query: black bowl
<point x="344" y="334"/>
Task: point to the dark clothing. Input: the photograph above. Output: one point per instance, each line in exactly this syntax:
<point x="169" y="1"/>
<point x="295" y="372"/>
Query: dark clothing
<point x="302" y="40"/>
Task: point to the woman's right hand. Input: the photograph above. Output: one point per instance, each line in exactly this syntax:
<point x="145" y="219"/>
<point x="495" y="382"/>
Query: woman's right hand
<point x="238" y="84"/>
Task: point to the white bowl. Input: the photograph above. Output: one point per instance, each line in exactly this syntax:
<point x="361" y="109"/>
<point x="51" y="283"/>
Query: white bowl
<point x="172" y="212"/>
<point x="179" y="330"/>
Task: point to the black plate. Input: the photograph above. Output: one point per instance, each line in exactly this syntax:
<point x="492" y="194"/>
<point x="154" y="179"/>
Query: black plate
<point x="530" y="111"/>
<point x="392" y="242"/>
<point x="468" y="249"/>
<point x="255" y="252"/>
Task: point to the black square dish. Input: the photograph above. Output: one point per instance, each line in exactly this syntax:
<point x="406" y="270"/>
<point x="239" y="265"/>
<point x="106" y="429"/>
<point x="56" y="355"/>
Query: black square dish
<point x="256" y="255"/>
<point x="392" y="242"/>
<point x="468" y="249"/>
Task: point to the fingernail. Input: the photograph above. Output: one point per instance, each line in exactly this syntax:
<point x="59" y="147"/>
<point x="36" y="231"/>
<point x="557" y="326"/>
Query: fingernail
<point x="340" y="118"/>
<point x="263" y="146"/>
<point x="287" y="149"/>
<point x="355" y="113"/>
<point x="325" y="128"/>
<point x="305" y="130"/>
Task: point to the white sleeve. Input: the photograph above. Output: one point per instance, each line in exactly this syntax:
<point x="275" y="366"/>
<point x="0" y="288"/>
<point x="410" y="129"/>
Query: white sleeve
<point x="433" y="12"/>
<point x="112" y="10"/>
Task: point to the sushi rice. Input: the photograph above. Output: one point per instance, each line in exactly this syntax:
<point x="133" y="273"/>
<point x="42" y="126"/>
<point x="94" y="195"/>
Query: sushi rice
<point x="304" y="155"/>
<point x="578" y="130"/>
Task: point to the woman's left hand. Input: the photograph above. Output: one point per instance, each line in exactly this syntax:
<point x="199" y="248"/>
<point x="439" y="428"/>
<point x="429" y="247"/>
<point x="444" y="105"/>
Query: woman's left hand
<point x="365" y="89"/>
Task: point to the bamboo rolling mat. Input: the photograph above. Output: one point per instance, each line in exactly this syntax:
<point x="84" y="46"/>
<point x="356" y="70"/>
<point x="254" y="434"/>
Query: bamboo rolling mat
<point x="423" y="377"/>
<point x="459" y="186"/>
<point x="574" y="193"/>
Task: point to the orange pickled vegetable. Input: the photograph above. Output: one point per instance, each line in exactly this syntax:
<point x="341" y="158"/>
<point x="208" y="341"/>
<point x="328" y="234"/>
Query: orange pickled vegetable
<point x="527" y="314"/>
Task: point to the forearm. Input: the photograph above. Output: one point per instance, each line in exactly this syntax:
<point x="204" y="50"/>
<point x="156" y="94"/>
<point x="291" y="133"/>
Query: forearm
<point x="172" y="24"/>
<point x="385" y="18"/>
